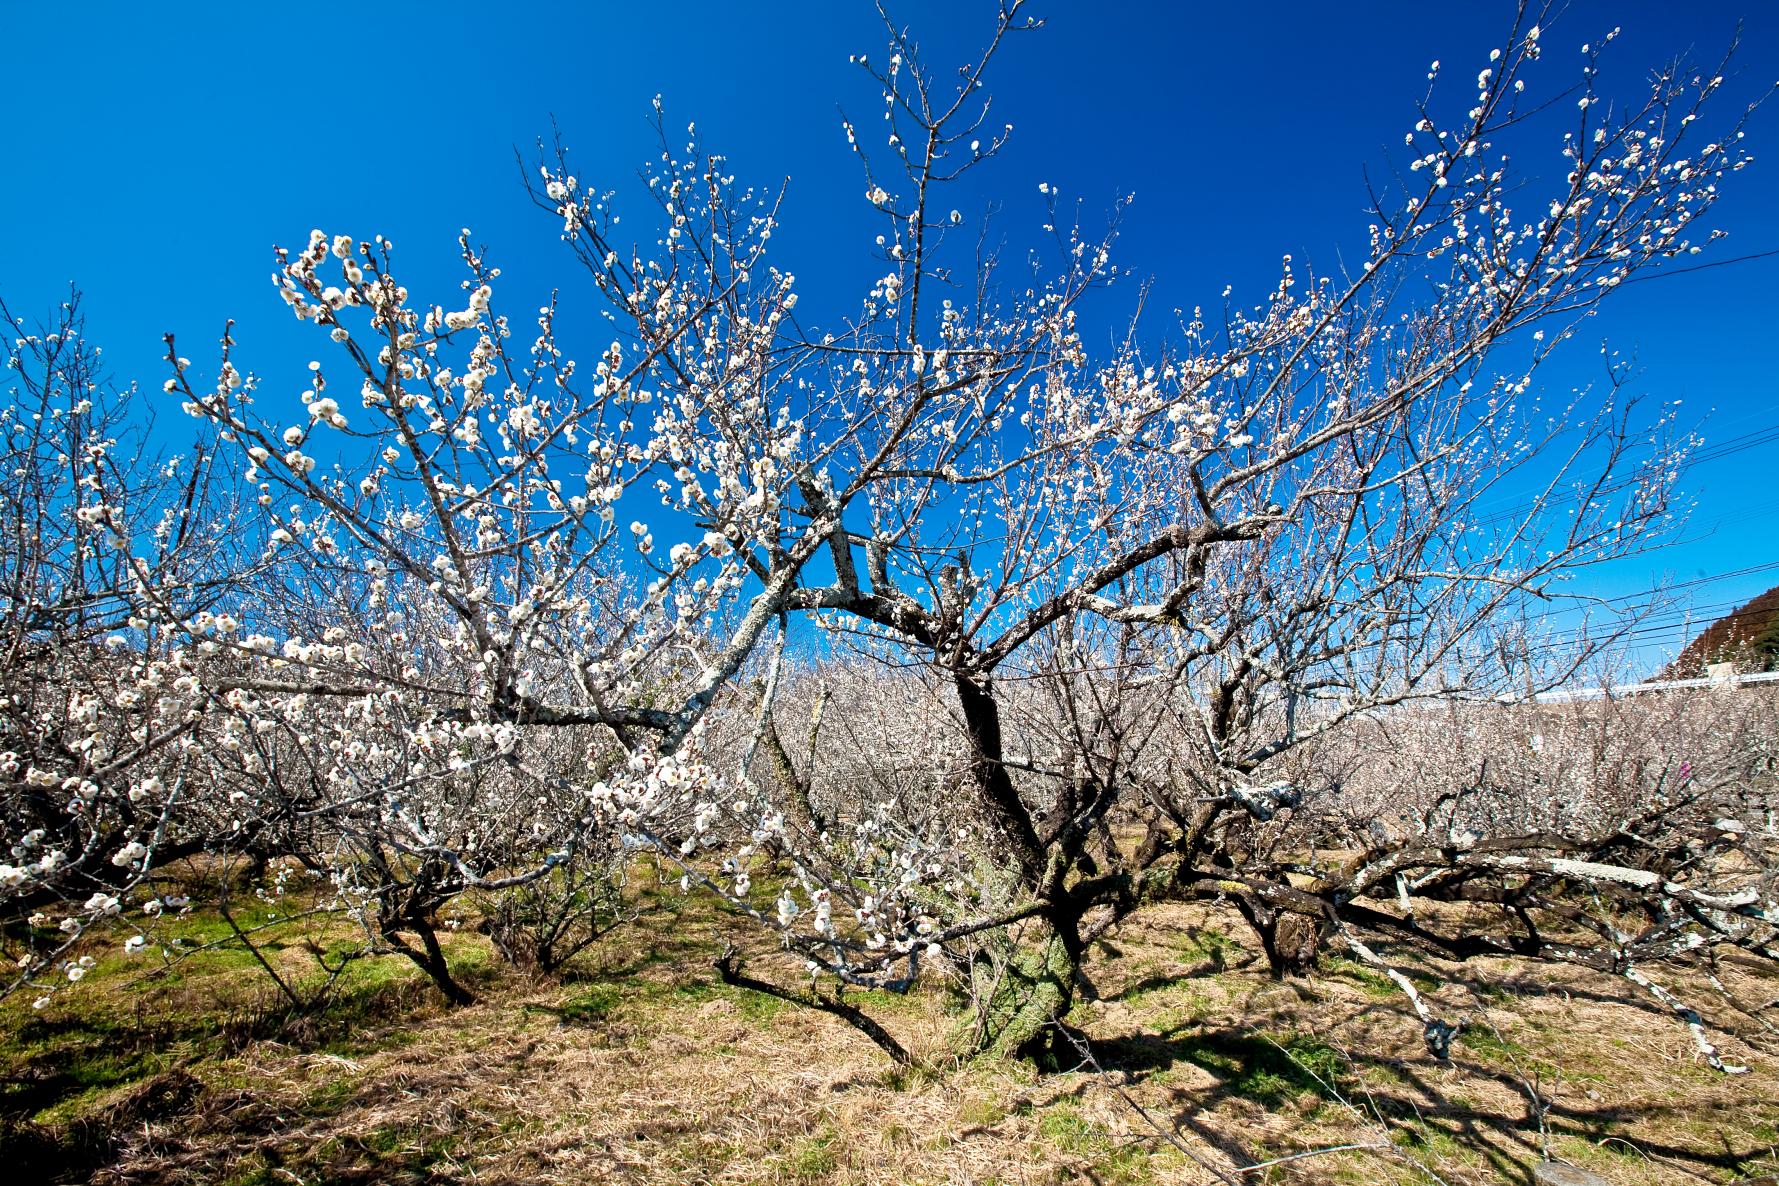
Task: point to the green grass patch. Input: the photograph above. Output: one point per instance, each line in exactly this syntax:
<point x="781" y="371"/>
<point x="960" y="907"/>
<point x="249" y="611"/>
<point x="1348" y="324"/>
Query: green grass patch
<point x="128" y="1020"/>
<point x="1064" y="1126"/>
<point x="1428" y="1141"/>
<point x="1208" y="944"/>
<point x="876" y="1000"/>
<point x="1491" y="1047"/>
<point x="980" y="1113"/>
<point x="1374" y="983"/>
<point x="817" y="1157"/>
<point x="593" y="1003"/>
<point x="755" y="1006"/>
<point x="1268" y="1069"/>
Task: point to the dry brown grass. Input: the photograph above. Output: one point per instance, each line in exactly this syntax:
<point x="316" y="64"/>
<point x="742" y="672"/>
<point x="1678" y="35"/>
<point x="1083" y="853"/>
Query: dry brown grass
<point x="646" y="1070"/>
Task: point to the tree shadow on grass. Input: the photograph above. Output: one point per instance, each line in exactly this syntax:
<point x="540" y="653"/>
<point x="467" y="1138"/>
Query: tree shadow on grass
<point x="1271" y="1070"/>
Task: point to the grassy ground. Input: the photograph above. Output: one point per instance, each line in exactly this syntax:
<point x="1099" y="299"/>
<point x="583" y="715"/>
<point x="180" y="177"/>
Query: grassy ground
<point x="641" y="1067"/>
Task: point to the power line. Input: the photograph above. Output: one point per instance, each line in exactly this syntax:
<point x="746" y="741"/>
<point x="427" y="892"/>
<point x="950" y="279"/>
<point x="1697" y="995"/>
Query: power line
<point x="1667" y="587"/>
<point x="1765" y="434"/>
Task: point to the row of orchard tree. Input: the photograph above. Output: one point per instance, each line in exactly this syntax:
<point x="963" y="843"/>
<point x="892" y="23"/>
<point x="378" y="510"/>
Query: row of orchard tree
<point x="977" y="638"/>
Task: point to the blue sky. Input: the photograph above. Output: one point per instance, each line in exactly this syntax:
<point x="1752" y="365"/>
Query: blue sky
<point x="156" y="153"/>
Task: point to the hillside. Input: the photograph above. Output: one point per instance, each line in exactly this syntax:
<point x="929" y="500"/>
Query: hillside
<point x="1747" y="636"/>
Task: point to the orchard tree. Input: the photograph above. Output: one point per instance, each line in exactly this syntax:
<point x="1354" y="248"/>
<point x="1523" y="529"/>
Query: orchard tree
<point x="469" y="616"/>
<point x="1162" y="571"/>
<point x="101" y="775"/>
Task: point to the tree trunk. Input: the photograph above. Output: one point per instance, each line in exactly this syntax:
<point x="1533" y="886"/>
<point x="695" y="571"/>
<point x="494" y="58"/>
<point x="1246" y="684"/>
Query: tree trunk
<point x="800" y="810"/>
<point x="1000" y="800"/>
<point x="1291" y="941"/>
<point x="1036" y="988"/>
<point x="1035" y="992"/>
<point x="431" y="960"/>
